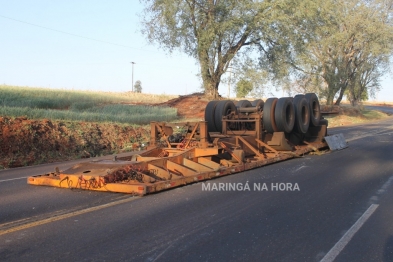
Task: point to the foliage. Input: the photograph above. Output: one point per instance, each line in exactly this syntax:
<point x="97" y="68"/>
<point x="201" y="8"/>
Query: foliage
<point x="243" y="87"/>
<point x="28" y="142"/>
<point x="63" y="99"/>
<point x="78" y="106"/>
<point x="366" y="82"/>
<point x="138" y="87"/>
<point x="347" y="48"/>
<point x="214" y="32"/>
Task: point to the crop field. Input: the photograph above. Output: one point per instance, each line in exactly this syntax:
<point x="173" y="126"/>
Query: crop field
<point x="88" y="106"/>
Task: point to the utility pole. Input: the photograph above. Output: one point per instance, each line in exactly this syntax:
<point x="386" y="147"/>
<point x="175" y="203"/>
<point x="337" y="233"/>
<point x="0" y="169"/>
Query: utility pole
<point x="132" y="87"/>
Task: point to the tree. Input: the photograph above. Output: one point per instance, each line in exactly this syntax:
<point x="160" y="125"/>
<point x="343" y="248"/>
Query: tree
<point x="246" y="70"/>
<point x="349" y="42"/>
<point x="243" y="87"/>
<point x="138" y="86"/>
<point x="215" y="31"/>
<point x="367" y="81"/>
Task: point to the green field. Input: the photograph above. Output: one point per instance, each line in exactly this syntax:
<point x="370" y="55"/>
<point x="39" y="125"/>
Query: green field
<point x="41" y="103"/>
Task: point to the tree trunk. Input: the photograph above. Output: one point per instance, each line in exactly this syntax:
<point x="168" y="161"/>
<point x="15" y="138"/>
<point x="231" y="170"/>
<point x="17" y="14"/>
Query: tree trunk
<point x="340" y="97"/>
<point x="330" y="97"/>
<point x="208" y="77"/>
<point x="210" y="89"/>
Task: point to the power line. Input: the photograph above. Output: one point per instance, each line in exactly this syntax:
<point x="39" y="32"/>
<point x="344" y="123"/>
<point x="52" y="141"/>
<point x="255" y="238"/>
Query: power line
<point x="75" y="35"/>
<point x="150" y="65"/>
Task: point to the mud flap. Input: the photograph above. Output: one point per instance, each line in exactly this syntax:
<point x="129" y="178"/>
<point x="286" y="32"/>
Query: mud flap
<point x="336" y="142"/>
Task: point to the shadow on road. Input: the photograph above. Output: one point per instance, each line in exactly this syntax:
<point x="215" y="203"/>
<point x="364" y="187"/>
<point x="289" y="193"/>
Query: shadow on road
<point x="388" y="250"/>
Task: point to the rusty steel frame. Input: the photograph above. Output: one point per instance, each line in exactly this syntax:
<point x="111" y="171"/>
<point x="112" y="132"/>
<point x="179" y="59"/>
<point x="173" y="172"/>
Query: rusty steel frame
<point x="159" y="169"/>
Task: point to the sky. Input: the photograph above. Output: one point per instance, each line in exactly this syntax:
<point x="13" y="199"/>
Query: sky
<point x="89" y="45"/>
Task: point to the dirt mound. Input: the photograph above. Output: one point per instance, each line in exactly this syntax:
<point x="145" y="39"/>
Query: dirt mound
<point x="189" y="106"/>
<point x="27" y="142"/>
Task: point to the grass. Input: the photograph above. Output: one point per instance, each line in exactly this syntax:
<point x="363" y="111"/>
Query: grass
<point x="41" y="103"/>
<point x="351" y="115"/>
<point x="373" y="114"/>
<point x="62" y="99"/>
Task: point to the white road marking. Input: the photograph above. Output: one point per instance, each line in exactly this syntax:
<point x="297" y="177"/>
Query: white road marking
<point x="13" y="179"/>
<point x="64" y="216"/>
<point x="339" y="246"/>
<point x="300" y="168"/>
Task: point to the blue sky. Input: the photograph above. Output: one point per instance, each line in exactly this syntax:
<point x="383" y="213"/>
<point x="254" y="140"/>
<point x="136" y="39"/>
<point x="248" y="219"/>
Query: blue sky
<point x="35" y="56"/>
<point x="31" y="55"/>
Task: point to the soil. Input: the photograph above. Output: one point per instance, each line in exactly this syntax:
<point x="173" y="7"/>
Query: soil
<point x="189" y="106"/>
<point x="28" y="142"/>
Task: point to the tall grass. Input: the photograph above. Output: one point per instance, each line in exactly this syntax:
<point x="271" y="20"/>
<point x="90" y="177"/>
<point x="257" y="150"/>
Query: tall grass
<point x="62" y="99"/>
<point x="39" y="103"/>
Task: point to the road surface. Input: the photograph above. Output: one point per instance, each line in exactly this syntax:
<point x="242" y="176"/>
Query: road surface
<point x="341" y="211"/>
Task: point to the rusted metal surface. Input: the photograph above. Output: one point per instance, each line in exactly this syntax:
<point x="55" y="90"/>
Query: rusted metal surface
<point x="154" y="174"/>
<point x="176" y="159"/>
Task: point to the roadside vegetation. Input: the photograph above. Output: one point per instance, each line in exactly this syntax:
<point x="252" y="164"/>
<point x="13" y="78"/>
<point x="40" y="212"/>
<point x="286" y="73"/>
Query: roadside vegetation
<point x="40" y="103"/>
<point x="348" y="115"/>
<point x="39" y="125"/>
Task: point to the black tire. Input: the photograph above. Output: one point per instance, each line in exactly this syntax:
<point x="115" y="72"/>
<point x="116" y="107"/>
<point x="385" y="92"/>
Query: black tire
<point x="323" y="122"/>
<point x="258" y="103"/>
<point x="209" y="116"/>
<point x="284" y="114"/>
<point x="315" y="110"/>
<point x="302" y="114"/>
<point x="223" y="108"/>
<point x="243" y="103"/>
<point x="269" y="123"/>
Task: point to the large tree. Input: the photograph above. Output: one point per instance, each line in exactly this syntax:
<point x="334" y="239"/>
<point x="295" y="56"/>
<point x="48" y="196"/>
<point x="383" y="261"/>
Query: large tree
<point x="349" y="40"/>
<point x="215" y="31"/>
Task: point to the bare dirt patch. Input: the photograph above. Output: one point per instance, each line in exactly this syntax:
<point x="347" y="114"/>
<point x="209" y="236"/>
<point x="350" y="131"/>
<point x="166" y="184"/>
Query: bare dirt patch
<point x="189" y="106"/>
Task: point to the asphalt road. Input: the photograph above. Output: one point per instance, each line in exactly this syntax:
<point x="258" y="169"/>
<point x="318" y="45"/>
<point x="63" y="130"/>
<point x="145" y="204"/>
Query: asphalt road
<point x="343" y="210"/>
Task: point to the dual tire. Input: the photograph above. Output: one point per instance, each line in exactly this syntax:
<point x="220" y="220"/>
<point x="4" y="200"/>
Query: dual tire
<point x="302" y="114"/>
<point x="284" y="114"/>
<point x="315" y="110"/>
<point x="259" y="104"/>
<point x="278" y="115"/>
<point x="256" y="103"/>
<point x="215" y="111"/>
<point x="287" y="114"/>
<point x="243" y="103"/>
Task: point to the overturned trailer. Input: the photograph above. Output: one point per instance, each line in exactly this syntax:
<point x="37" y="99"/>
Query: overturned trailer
<point x="234" y="137"/>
